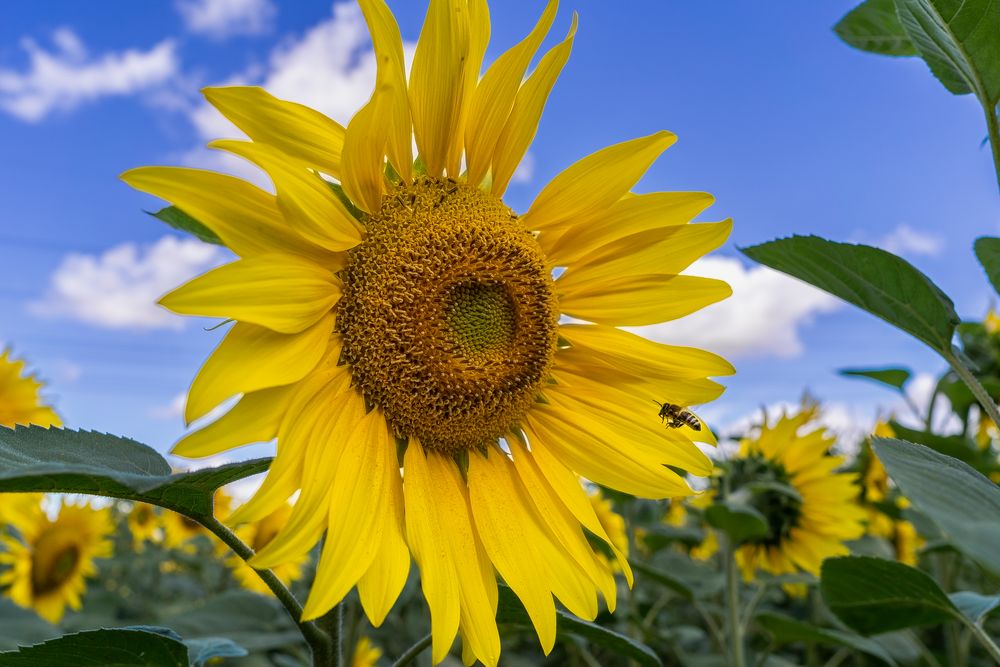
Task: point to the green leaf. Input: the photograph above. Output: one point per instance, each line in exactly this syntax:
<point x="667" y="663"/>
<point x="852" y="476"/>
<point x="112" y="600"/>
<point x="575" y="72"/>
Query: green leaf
<point x="963" y="503"/>
<point x="988" y="253"/>
<point x="129" y="647"/>
<point x="872" y="595"/>
<point x="63" y="461"/>
<point x="255" y="622"/>
<point x="787" y="630"/>
<point x="874" y="26"/>
<point x="974" y="606"/>
<point x="181" y="221"/>
<point x="960" y="41"/>
<point x="892" y="377"/>
<point x="202" y="652"/>
<point x="738" y="521"/>
<point x="511" y="611"/>
<point x="873" y="279"/>
<point x="20" y="626"/>
<point x="665" y="578"/>
<point x="957" y="446"/>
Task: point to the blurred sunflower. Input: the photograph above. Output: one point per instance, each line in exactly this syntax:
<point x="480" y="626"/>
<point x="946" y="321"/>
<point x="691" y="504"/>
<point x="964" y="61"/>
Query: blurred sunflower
<point x="366" y="654"/>
<point x="258" y="535"/>
<point x="144" y="525"/>
<point x="179" y="530"/>
<point x="49" y="562"/>
<point x="613" y="525"/>
<point x="810" y="509"/>
<point x="19" y="507"/>
<point x="20" y="400"/>
<point x="405" y="317"/>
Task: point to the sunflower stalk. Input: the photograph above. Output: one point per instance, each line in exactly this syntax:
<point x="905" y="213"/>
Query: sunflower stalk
<point x="734" y="627"/>
<point x="977" y="389"/>
<point x="319" y="642"/>
<point x="411" y="653"/>
<point x="993" y="129"/>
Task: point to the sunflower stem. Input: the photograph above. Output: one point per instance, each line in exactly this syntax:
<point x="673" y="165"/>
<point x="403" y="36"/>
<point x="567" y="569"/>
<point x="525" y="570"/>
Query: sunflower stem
<point x="735" y="627"/>
<point x="319" y="642"/>
<point x="994" y="137"/>
<point x="984" y="639"/>
<point x="411" y="653"/>
<point x="332" y="624"/>
<point x="977" y="389"/>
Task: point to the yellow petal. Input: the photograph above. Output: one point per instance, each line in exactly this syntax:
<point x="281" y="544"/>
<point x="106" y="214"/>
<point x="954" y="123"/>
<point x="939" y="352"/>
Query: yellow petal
<point x="494" y="97"/>
<point x="295" y="129"/>
<point x="306" y="200"/>
<point x="664" y="251"/>
<point x="595" y="182"/>
<point x="479" y="37"/>
<point x="522" y="123"/>
<point x="381" y="585"/>
<point x="388" y="47"/>
<point x="279" y="292"/>
<point x="630" y="215"/>
<point x="246" y="218"/>
<point x="255" y="418"/>
<point x="424" y="530"/>
<point x="512" y="541"/>
<point x="641" y="356"/>
<point x="251" y="357"/>
<point x="356" y="500"/>
<point x="640" y="300"/>
<point x="437" y="81"/>
<point x="364" y="150"/>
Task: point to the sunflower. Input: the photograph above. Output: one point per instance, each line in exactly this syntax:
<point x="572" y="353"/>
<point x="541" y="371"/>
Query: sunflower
<point x="258" y="535"/>
<point x="20" y="402"/>
<point x="366" y="654"/>
<point x="395" y="314"/>
<point x="50" y="560"/>
<point x="811" y="510"/>
<point x="18" y="508"/>
<point x="145" y="525"/>
<point x="612" y="523"/>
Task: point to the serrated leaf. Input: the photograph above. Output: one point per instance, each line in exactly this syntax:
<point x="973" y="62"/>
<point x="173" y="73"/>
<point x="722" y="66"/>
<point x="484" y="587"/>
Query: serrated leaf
<point x="956" y="446"/>
<point x="511" y="611"/>
<point x="881" y="283"/>
<point x="107" y="648"/>
<point x="20" y="626"/>
<point x="960" y="42"/>
<point x="64" y="461"/>
<point x="738" y="521"/>
<point x="974" y="606"/>
<point x="961" y="502"/>
<point x="871" y="595"/>
<point x="988" y="252"/>
<point x="786" y="630"/>
<point x="874" y="26"/>
<point x="892" y="377"/>
<point x="181" y="221"/>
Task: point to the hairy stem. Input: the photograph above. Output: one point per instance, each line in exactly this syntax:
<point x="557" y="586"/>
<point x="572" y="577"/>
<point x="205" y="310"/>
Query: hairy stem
<point x="411" y="653"/>
<point x="974" y="386"/>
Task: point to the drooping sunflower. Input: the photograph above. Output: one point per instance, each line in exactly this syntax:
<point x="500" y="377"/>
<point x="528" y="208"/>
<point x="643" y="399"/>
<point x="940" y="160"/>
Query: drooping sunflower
<point x="258" y="535"/>
<point x="815" y="513"/>
<point x="50" y="559"/>
<point x="20" y="399"/>
<point x="144" y="523"/>
<point x="395" y="314"/>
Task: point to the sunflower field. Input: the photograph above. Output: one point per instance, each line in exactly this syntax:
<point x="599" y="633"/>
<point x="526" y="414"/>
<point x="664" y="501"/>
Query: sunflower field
<point x="476" y="455"/>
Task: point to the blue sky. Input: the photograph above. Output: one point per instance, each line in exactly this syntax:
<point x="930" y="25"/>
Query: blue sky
<point x="791" y="130"/>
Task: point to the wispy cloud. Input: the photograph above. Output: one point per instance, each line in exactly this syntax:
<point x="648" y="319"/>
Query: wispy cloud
<point x="763" y="318"/>
<point x="118" y="289"/>
<point x="225" y="18"/>
<point x="905" y="240"/>
<point x="67" y="76"/>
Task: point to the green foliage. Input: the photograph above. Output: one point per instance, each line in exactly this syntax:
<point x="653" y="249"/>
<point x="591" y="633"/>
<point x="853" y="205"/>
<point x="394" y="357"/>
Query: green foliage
<point x="785" y="629"/>
<point x="126" y="647"/>
<point x="988" y="252"/>
<point x="183" y="222"/>
<point x="891" y="377"/>
<point x="511" y="611"/>
<point x="974" y="606"/>
<point x="63" y="461"/>
<point x="872" y="279"/>
<point x="961" y="502"/>
<point x="740" y="522"/>
<point x="874" y="26"/>
<point x="872" y="595"/>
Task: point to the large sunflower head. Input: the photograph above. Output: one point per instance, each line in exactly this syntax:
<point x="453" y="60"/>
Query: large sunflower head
<point x="395" y="314"/>
<point x="811" y="509"/>
<point x="20" y="398"/>
<point x="49" y="560"/>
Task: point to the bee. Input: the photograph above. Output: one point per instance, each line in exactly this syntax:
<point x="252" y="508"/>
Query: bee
<point x="674" y="416"/>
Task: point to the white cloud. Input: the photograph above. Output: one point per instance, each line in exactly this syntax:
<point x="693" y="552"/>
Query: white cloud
<point x="525" y="170"/>
<point x="761" y="319"/>
<point x="119" y="288"/>
<point x="67" y="77"/>
<point x="225" y="18"/>
<point x="173" y="410"/>
<point x="905" y="240"/>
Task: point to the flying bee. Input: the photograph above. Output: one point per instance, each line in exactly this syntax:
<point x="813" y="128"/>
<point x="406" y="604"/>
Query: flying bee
<point x="674" y="416"/>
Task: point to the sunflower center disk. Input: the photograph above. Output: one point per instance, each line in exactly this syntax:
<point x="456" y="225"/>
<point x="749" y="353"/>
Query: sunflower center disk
<point x="448" y="315"/>
<point x="52" y="567"/>
<point x="767" y="486"/>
